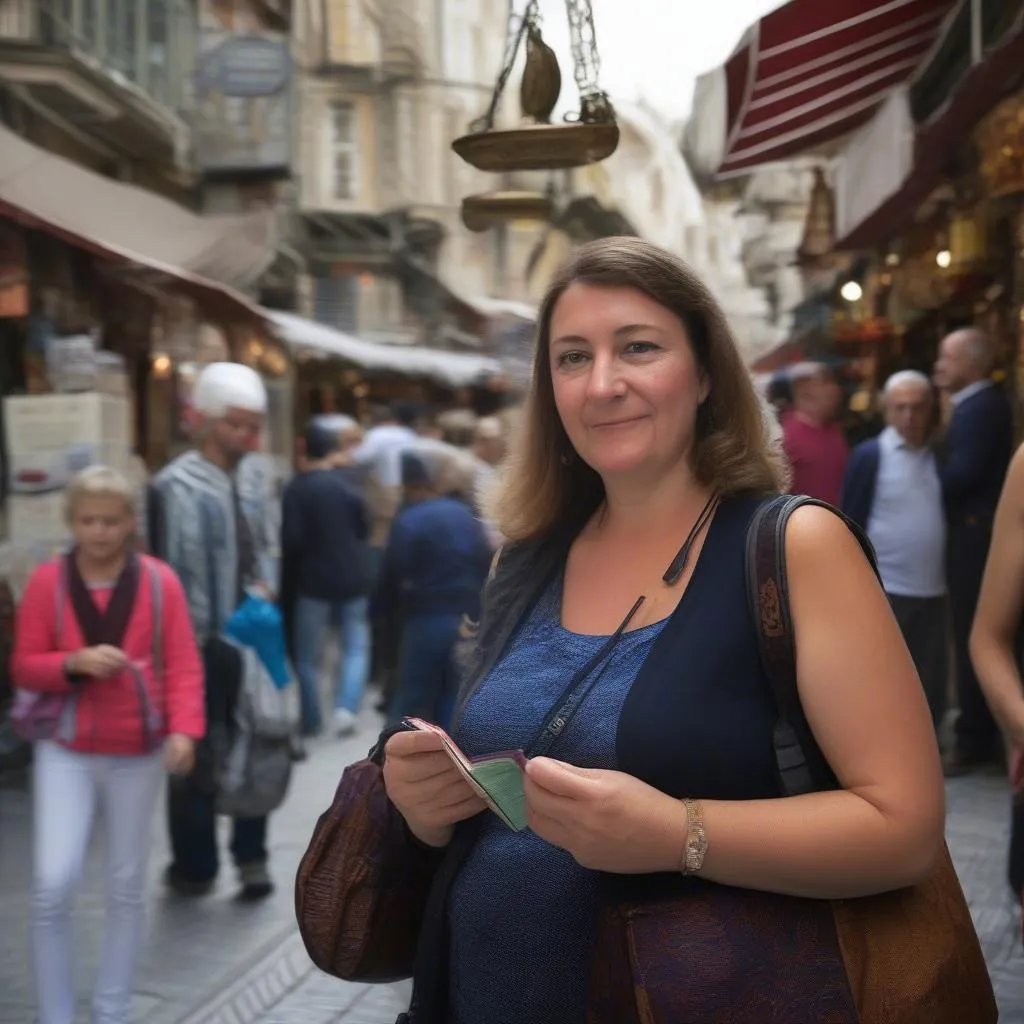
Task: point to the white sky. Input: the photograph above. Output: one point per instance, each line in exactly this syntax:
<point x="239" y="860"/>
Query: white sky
<point x="653" y="49"/>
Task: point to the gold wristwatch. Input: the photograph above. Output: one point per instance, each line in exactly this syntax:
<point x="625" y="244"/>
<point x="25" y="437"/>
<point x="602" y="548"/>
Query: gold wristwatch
<point x="696" y="838"/>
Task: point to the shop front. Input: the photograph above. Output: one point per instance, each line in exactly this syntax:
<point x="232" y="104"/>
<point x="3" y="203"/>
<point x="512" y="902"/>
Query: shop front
<point x="336" y="372"/>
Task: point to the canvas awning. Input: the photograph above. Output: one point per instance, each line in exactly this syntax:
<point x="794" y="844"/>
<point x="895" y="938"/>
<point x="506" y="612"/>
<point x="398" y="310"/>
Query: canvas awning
<point x="804" y="76"/>
<point x="131" y="223"/>
<point x="454" y="369"/>
<point x="971" y="95"/>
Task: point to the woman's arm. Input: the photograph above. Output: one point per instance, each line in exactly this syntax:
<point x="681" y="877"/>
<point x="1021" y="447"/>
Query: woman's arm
<point x="1000" y="607"/>
<point x="183" y="668"/>
<point x="862" y="698"/>
<point x="867" y="710"/>
<point x="36" y="662"/>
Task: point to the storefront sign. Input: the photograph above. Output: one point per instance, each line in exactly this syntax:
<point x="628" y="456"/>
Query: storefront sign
<point x="246" y="67"/>
<point x="243" y="86"/>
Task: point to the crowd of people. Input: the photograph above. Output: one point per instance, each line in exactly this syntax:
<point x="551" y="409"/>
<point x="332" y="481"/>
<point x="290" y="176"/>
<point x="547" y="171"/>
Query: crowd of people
<point x="607" y="553"/>
<point x="926" y="490"/>
<point x="127" y="660"/>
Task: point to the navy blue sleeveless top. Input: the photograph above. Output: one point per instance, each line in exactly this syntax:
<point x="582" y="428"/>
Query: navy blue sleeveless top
<point x="684" y="706"/>
<point x="699" y="717"/>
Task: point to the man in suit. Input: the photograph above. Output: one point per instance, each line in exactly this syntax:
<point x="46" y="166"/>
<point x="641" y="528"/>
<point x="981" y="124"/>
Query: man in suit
<point x="978" y="446"/>
<point x="892" y="491"/>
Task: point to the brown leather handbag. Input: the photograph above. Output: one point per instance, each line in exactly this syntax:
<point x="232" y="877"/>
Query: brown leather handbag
<point x="711" y="954"/>
<point x="362" y="885"/>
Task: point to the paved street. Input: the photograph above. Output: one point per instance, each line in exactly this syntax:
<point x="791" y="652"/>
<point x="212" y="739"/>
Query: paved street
<point x="218" y="962"/>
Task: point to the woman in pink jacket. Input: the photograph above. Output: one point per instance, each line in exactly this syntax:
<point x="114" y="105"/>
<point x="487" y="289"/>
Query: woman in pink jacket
<point x="112" y="688"/>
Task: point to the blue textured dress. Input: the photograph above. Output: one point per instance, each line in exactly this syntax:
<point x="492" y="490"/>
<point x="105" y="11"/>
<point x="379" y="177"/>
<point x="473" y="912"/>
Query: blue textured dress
<point x="523" y="912"/>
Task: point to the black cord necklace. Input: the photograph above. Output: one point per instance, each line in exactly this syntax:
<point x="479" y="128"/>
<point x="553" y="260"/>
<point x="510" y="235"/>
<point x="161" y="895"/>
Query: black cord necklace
<point x="679" y="563"/>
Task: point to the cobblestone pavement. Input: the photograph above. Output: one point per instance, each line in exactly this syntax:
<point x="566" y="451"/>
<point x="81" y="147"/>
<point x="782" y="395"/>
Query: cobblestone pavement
<point x="214" y="961"/>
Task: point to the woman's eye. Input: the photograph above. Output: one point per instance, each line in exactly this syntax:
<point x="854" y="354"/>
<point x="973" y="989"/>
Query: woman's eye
<point x="641" y="347"/>
<point x="571" y="358"/>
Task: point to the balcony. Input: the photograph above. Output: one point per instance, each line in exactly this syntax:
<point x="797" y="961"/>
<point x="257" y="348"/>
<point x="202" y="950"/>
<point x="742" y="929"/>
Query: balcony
<point x="402" y="45"/>
<point x="383" y="42"/>
<point x="111" y="69"/>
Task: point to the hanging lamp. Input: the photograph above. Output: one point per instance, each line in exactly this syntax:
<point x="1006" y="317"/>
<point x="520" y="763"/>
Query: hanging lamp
<point x="585" y="137"/>
<point x="490" y="209"/>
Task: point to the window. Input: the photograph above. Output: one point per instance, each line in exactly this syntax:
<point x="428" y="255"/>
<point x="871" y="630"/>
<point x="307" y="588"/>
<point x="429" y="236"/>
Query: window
<point x="405" y="136"/>
<point x="344" y="151"/>
<point x="335" y="300"/>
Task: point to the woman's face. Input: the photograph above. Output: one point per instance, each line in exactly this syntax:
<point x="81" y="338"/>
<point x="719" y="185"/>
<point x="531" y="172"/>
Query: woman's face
<point x="101" y="526"/>
<point x="626" y="381"/>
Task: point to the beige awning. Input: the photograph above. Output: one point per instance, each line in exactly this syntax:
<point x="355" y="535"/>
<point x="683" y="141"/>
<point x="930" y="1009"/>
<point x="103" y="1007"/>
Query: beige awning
<point x="455" y="369"/>
<point x="233" y="250"/>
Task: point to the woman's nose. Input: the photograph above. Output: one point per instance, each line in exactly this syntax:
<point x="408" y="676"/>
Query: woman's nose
<point x="605" y="378"/>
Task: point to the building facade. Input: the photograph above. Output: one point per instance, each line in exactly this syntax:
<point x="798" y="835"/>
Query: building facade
<point x="383" y="86"/>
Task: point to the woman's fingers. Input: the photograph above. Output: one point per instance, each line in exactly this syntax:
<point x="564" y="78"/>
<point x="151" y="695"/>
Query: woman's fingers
<point x="404" y="744"/>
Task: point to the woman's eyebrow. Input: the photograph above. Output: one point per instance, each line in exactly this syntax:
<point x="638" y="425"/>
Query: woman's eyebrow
<point x="626" y="331"/>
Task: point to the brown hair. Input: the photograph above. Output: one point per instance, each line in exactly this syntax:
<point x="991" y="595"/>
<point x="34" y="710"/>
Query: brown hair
<point x="544" y="487"/>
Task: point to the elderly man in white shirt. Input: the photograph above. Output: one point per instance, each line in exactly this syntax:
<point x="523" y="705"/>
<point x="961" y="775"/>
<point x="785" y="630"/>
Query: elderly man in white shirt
<point x="892" y="489"/>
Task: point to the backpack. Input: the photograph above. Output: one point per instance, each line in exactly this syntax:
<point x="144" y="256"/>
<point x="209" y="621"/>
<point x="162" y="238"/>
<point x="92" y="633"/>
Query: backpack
<point x="255" y="765"/>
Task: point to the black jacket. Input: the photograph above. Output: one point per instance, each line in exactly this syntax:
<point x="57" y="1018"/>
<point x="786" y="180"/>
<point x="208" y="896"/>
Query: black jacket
<point x="324" y="533"/>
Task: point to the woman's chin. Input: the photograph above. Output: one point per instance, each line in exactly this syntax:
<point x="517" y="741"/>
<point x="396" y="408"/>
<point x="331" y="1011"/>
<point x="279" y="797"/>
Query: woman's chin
<point x="615" y="465"/>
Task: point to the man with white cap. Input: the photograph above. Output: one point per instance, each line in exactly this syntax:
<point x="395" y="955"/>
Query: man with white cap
<point x="213" y="526"/>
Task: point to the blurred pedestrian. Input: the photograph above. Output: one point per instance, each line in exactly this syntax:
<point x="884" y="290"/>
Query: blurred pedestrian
<point x="325" y="554"/>
<point x="489" y="446"/>
<point x="432" y="576"/>
<point x="105" y="633"/>
<point x="995" y="644"/>
<point x="974" y="459"/>
<point x="213" y="529"/>
<point x="813" y="440"/>
<point x="892" y="491"/>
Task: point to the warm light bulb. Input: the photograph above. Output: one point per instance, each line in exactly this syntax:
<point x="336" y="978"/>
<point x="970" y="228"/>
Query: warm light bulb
<point x="162" y="366"/>
<point x="944" y="258"/>
<point x="851" y="291"/>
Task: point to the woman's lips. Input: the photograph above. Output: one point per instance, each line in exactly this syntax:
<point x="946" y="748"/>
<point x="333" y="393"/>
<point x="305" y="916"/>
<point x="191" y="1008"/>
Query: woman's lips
<point x="610" y="424"/>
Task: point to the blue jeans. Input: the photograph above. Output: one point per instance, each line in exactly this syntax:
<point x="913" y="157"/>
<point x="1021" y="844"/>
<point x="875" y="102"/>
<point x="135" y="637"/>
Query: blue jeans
<point x="427" y="681"/>
<point x="312" y="619"/>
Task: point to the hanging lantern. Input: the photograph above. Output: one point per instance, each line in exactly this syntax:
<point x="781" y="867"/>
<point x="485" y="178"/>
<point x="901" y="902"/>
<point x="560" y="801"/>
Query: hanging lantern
<point x="819" y="237"/>
<point x="587" y="137"/>
<point x="492" y="208"/>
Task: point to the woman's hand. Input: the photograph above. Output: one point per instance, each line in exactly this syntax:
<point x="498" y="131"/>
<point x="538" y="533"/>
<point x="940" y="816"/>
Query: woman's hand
<point x="608" y="821"/>
<point x="426" y="787"/>
<point x="100" y="662"/>
<point x="179" y="754"/>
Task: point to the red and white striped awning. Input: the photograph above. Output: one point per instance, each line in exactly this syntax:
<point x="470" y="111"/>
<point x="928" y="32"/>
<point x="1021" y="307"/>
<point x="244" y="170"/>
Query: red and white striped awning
<point x="813" y="70"/>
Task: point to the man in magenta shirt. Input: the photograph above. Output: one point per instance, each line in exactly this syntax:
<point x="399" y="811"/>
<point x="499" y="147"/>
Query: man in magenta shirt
<point x="814" y="443"/>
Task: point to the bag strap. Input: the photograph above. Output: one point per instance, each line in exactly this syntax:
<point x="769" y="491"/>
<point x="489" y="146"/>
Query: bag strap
<point x="210" y="557"/>
<point x="156" y="599"/>
<point x="60" y="593"/>
<point x="768" y="598"/>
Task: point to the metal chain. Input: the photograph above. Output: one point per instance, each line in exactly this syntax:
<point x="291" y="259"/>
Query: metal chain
<point x="595" y="107"/>
<point x="513" y="40"/>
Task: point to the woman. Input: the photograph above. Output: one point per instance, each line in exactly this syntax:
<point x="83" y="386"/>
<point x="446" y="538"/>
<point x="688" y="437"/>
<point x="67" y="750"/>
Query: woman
<point x="995" y="644"/>
<point x="132" y="692"/>
<point x="996" y="634"/>
<point x="643" y="432"/>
